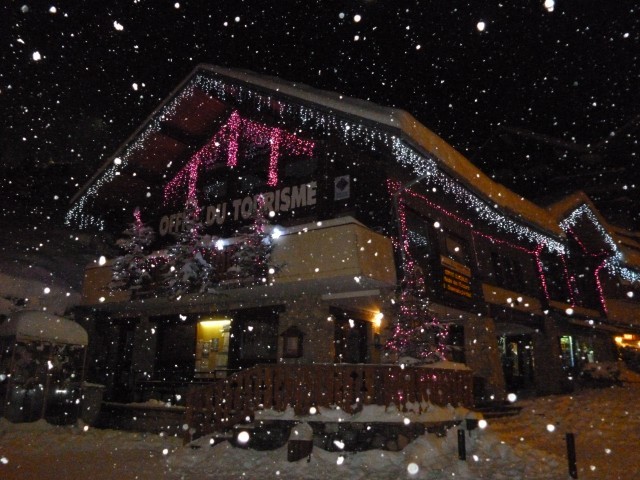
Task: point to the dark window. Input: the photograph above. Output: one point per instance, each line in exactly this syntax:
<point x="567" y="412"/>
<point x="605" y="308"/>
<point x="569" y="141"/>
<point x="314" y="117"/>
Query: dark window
<point x="298" y="170"/>
<point x="215" y="189"/>
<point x="498" y="272"/>
<point x="455" y="343"/>
<point x="419" y="236"/>
<point x="555" y="277"/>
<point x="456" y="248"/>
<point x="175" y="353"/>
<point x="508" y="273"/>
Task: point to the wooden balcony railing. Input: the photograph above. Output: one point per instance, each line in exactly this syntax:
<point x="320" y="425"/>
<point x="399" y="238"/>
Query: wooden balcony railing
<point x="228" y="401"/>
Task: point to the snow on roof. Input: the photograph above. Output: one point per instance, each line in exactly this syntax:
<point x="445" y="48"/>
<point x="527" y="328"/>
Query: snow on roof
<point x="412" y="129"/>
<point x="43" y="327"/>
<point x="409" y="130"/>
<point x="565" y="207"/>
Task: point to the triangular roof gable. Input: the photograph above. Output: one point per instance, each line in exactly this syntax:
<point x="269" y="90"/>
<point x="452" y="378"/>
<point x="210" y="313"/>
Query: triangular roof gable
<point x="577" y="209"/>
<point x="576" y="212"/>
<point x="411" y="143"/>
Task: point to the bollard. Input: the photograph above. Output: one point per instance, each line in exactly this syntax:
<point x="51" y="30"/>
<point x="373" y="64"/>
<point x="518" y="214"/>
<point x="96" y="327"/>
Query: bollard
<point x="462" y="450"/>
<point x="571" y="455"/>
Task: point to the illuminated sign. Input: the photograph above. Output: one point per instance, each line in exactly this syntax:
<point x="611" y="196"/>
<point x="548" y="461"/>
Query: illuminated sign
<point x="281" y="200"/>
<point x="456" y="278"/>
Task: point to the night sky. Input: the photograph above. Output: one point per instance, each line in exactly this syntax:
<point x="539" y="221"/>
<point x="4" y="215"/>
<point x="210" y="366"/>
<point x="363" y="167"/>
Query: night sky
<point x="77" y="77"/>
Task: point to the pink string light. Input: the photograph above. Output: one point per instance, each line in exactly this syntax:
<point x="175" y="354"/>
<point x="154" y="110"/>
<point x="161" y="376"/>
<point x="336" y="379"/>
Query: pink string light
<point x="596" y="273"/>
<point x="227" y="141"/>
<point x="395" y="186"/>
<point x="570" y="279"/>
<point x="541" y="275"/>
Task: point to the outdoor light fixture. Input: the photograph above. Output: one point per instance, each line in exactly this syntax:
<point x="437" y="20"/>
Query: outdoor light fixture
<point x="377" y="319"/>
<point x="276" y="233"/>
<point x="215" y="323"/>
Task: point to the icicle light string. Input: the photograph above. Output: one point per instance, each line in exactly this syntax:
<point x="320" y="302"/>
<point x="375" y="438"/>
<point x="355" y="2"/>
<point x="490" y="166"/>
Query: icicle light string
<point x="424" y="166"/>
<point x="614" y="264"/>
<point x="328" y="124"/>
<point x="405" y="240"/>
<point x="76" y="214"/>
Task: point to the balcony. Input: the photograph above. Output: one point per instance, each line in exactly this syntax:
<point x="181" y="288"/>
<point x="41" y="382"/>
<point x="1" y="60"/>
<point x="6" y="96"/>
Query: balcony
<point x="335" y="257"/>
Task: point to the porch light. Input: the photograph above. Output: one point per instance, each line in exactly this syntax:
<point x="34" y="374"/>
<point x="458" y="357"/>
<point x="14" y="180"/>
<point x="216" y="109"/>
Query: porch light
<point x="377" y="319"/>
<point x="618" y="340"/>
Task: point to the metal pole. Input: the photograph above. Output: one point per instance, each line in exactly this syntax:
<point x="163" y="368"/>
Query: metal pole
<point x="571" y="455"/>
<point x="462" y="450"/>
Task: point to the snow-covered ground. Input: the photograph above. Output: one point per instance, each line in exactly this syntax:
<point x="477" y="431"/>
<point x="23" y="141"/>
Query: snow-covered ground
<point x="606" y="424"/>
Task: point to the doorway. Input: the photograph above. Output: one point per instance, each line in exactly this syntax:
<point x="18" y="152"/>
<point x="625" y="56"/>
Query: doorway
<point x="517" y="361"/>
<point x="351" y="337"/>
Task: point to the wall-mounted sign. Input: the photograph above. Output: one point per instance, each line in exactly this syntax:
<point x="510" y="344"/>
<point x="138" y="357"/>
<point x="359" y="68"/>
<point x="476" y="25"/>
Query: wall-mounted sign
<point x="456" y="278"/>
<point x="342" y="187"/>
<point x="281" y="200"/>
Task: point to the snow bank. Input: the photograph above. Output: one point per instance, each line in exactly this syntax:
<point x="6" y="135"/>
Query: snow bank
<point x="43" y="327"/>
<point x="421" y="412"/>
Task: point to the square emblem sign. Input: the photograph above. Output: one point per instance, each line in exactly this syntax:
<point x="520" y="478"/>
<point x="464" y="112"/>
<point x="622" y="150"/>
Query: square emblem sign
<point x="341" y="187"/>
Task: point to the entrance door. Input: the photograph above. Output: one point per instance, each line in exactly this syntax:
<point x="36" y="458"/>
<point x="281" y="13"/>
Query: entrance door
<point x="351" y="338"/>
<point x="254" y="337"/>
<point x="517" y="361"/>
<point x="175" y="351"/>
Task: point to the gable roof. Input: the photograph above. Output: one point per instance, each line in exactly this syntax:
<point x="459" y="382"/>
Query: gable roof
<point x="181" y="124"/>
<point x="571" y="209"/>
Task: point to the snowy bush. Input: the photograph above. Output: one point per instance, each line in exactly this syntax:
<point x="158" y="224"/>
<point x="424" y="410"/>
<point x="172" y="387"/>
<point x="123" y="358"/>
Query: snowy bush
<point x="602" y="372"/>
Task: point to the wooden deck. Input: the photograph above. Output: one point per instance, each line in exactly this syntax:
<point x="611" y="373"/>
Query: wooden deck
<point x="226" y="402"/>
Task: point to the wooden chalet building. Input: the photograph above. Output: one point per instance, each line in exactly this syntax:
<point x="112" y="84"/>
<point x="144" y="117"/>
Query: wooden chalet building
<point x="357" y="192"/>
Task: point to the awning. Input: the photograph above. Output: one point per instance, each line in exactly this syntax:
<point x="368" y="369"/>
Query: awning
<point x="36" y="326"/>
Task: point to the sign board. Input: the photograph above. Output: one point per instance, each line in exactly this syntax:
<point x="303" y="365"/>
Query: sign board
<point x="456" y="278"/>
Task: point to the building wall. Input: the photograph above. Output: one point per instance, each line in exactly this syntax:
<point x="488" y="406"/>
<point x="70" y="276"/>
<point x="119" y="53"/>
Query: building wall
<point x="312" y="317"/>
<point x="483" y="357"/>
<point x="548" y="375"/>
<point x="467" y="263"/>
